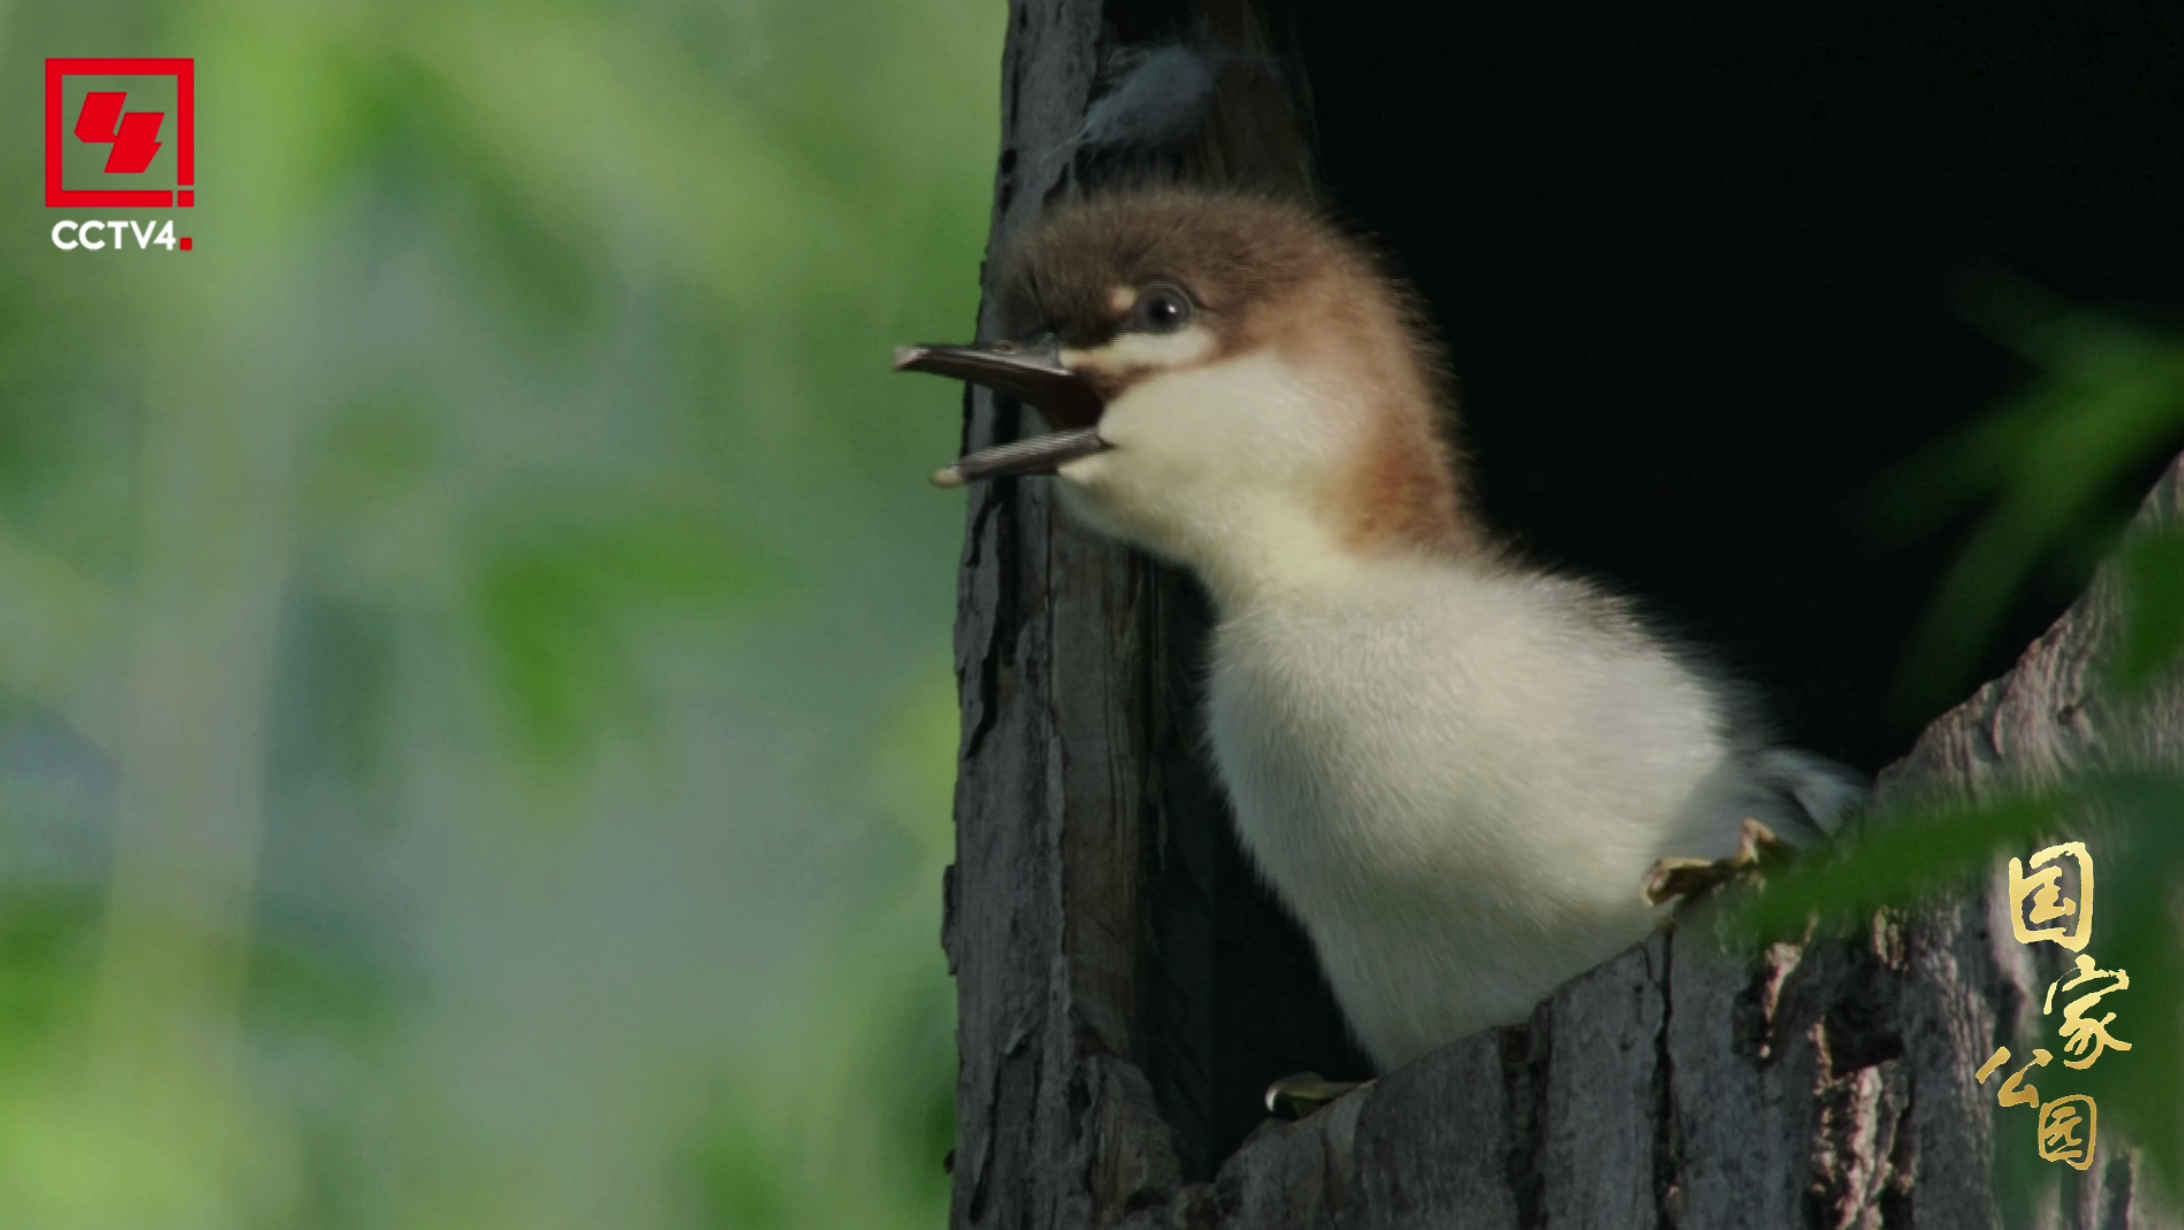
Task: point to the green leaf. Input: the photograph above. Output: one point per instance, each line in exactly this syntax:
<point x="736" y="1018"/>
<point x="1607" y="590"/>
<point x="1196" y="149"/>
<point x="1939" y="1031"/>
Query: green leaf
<point x="556" y="599"/>
<point x="2049" y="461"/>
<point x="2152" y="571"/>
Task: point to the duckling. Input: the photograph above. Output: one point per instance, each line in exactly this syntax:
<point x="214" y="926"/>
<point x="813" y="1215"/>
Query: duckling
<point x="1469" y="778"/>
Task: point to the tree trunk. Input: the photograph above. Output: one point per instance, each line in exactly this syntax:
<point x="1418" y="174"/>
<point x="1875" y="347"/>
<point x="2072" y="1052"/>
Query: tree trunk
<point x="1096" y="901"/>
<point x="1086" y="901"/>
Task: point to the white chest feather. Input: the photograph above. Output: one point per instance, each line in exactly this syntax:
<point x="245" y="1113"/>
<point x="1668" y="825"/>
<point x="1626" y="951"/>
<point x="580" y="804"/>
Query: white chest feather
<point x="1457" y="781"/>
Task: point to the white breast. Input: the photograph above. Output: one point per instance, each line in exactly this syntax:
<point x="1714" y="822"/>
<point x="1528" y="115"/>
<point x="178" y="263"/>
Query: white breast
<point x="1457" y="779"/>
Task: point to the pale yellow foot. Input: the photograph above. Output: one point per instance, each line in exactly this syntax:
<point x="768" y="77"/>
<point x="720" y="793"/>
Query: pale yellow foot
<point x="1300" y="1094"/>
<point x="1757" y="849"/>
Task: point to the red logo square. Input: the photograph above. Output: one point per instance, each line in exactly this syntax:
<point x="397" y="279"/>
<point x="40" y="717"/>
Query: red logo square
<point x="133" y="137"/>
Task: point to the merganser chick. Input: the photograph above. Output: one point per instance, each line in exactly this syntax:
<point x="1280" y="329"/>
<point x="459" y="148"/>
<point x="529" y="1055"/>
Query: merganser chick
<point x="1457" y="770"/>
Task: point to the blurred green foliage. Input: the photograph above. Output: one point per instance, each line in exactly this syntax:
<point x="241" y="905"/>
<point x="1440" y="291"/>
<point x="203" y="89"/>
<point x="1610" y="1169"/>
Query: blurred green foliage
<point x="2052" y="474"/>
<point x="2044" y="470"/>
<point x="476" y="724"/>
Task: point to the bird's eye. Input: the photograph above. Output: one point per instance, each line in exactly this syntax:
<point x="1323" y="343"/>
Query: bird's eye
<point x="1161" y="309"/>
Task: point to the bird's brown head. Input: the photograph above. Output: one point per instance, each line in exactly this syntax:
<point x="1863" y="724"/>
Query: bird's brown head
<point x="1230" y="373"/>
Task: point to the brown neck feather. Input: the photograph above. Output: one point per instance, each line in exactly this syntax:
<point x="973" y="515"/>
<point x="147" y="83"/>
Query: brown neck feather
<point x="1405" y="494"/>
<point x="1408" y="492"/>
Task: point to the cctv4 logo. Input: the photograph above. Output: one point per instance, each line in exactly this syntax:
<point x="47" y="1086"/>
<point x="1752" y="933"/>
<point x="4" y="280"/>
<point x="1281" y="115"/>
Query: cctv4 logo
<point x="70" y="235"/>
<point x="107" y="120"/>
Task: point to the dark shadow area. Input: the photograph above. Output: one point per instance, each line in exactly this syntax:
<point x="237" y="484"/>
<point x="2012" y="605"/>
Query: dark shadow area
<point x="1702" y="269"/>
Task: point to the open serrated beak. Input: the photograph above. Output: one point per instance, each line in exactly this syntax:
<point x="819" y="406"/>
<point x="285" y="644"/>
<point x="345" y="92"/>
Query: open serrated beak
<point x="1033" y="374"/>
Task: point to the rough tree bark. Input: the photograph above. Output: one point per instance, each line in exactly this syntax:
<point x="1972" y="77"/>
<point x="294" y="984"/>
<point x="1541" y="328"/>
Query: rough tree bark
<point x="1827" y="1084"/>
<point x="1078" y="912"/>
